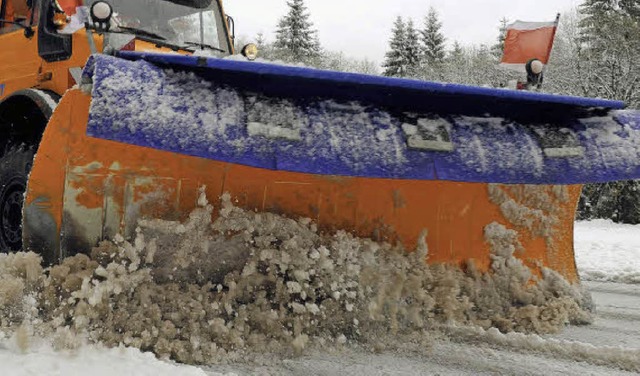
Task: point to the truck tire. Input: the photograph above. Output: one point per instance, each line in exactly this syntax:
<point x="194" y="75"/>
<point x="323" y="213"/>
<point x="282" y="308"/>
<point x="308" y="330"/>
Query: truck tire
<point x="15" y="165"/>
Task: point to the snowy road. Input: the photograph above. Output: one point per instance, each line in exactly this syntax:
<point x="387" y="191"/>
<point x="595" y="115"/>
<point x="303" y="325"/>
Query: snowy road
<point x="617" y="324"/>
<point x="606" y="253"/>
<point x="618" y="317"/>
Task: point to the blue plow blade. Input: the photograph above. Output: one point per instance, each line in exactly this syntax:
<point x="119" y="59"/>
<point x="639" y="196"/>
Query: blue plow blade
<point x="330" y="123"/>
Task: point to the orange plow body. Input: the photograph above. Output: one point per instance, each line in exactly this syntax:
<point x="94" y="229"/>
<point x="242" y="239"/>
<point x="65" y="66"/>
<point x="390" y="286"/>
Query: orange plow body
<point x="83" y="189"/>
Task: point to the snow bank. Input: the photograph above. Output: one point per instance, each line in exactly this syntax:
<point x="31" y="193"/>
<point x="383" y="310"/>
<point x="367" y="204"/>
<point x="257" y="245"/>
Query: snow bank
<point x="607" y="251"/>
<point x="42" y="359"/>
<point x="201" y="292"/>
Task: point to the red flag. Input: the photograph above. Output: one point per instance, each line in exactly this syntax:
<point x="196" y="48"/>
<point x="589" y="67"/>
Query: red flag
<point x="69" y="6"/>
<point x="528" y="40"/>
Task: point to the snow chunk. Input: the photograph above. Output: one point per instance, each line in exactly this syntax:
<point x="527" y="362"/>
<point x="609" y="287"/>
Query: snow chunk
<point x="214" y="290"/>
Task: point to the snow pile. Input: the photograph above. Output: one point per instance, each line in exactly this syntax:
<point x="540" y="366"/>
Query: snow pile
<point x="202" y="292"/>
<point x="21" y="278"/>
<point x="606" y="251"/>
<point x="43" y="359"/>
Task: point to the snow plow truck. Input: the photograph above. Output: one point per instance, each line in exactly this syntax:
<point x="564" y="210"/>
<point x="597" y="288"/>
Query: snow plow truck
<point x="119" y="110"/>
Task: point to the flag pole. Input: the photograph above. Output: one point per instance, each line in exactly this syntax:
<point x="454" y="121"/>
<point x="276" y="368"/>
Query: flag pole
<point x="553" y="38"/>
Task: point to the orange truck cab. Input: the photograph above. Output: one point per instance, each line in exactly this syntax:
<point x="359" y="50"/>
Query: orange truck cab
<point x="45" y="43"/>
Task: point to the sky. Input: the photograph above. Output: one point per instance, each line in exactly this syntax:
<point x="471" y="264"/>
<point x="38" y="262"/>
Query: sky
<point x="362" y="28"/>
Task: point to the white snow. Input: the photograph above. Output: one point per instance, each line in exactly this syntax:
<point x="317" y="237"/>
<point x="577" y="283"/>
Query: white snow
<point x="42" y="359"/>
<point x="606" y="251"/>
<point x="491" y="148"/>
<point x="47" y="98"/>
<point x="617" y="141"/>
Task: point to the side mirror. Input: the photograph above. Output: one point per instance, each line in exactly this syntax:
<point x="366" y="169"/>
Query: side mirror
<point x="250" y="51"/>
<point x="51" y="45"/>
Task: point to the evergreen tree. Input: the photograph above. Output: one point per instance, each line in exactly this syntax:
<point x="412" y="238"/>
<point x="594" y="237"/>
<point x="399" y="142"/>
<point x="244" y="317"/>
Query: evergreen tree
<point x="296" y="40"/>
<point x="456" y="65"/>
<point x="498" y="48"/>
<point x="265" y="49"/>
<point x="607" y="66"/>
<point x="395" y="64"/>
<point x="433" y="39"/>
<point x="628" y="7"/>
<point x="562" y="74"/>
<point x="593" y="8"/>
<point x="484" y="69"/>
<point x="338" y="61"/>
<point x="433" y="51"/>
<point x="412" y="50"/>
<point x="631" y="7"/>
<point x="609" y="51"/>
<point x="457" y="52"/>
<point x="261" y="41"/>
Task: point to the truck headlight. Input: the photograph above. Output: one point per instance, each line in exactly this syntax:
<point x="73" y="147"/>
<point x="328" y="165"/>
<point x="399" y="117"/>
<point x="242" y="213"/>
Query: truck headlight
<point x="250" y="51"/>
<point x="101" y="12"/>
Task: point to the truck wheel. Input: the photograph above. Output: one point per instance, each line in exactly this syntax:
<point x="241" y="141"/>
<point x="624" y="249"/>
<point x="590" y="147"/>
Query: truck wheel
<point x="15" y="165"/>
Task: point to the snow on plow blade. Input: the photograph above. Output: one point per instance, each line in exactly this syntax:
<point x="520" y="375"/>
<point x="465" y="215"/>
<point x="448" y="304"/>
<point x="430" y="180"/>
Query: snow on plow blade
<point x="384" y="158"/>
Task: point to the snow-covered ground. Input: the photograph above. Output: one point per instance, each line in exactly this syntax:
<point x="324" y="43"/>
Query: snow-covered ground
<point x="608" y="257"/>
<point x="607" y="251"/>
<point x="42" y="359"/>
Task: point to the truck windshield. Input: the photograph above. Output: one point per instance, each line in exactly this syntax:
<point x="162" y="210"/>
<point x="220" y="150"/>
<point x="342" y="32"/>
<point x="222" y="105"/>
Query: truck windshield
<point x="180" y="25"/>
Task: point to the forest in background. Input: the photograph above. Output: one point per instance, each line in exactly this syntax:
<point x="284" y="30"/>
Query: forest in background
<point x="596" y="54"/>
